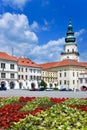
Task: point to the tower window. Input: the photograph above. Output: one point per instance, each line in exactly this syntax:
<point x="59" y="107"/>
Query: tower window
<point x="73" y="74"/>
<point x="72" y="50"/>
<point x="68" y="50"/>
<point x="64" y="74"/>
<point x="60" y="74"/>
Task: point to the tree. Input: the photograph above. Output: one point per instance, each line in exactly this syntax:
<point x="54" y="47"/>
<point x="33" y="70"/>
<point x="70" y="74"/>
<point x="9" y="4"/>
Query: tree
<point x="43" y="83"/>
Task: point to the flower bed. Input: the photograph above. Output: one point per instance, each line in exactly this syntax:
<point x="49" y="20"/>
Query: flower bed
<point x="30" y="113"/>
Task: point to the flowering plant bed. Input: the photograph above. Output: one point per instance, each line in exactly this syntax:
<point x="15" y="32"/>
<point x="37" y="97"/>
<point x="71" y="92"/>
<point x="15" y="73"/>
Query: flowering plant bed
<point x="43" y="113"/>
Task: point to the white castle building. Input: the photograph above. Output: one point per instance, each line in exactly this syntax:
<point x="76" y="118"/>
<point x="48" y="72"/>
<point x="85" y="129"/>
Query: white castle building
<point x="18" y="73"/>
<point x="69" y="69"/>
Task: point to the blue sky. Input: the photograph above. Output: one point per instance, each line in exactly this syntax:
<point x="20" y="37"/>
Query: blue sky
<point x="36" y="28"/>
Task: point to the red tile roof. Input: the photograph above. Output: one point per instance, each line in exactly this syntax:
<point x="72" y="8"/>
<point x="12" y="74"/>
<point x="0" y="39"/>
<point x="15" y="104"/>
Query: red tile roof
<point x="5" y="56"/>
<point x="83" y="73"/>
<point x="48" y="65"/>
<point x="27" y="62"/>
<point x="84" y="63"/>
<point x="67" y="62"/>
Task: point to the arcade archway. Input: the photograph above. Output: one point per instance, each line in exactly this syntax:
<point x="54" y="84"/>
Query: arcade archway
<point x="3" y="84"/>
<point x="12" y="85"/>
<point x="20" y="85"/>
<point x="32" y="86"/>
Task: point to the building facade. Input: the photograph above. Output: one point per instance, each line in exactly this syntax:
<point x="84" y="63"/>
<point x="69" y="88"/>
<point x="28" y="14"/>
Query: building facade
<point x="18" y="73"/>
<point x="8" y="70"/>
<point x="29" y="74"/>
<point x="83" y="81"/>
<point x="69" y="68"/>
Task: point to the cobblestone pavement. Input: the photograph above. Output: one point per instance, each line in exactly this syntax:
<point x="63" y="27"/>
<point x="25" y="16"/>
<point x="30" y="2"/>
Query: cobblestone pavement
<point x="9" y="93"/>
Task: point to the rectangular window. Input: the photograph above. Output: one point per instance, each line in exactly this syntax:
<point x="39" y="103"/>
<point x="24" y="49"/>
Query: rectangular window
<point x="18" y="76"/>
<point x="26" y="69"/>
<point x="3" y="65"/>
<point x="81" y="81"/>
<point x="31" y="78"/>
<point x="64" y="81"/>
<point x="60" y="74"/>
<point x="73" y="81"/>
<point x="73" y="74"/>
<point x="3" y="75"/>
<point x="19" y="68"/>
<point x="26" y="77"/>
<point x="12" y="76"/>
<point x="11" y="66"/>
<point x="22" y="76"/>
<point x="31" y="70"/>
<point x="60" y="82"/>
<point x="85" y="80"/>
<point x="22" y="69"/>
<point x="64" y="74"/>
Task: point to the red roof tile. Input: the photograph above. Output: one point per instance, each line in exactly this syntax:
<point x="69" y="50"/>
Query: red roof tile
<point x="27" y="62"/>
<point x="84" y="63"/>
<point x="5" y="56"/>
<point x="67" y="62"/>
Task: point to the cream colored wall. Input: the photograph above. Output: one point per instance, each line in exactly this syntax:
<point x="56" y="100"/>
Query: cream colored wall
<point x="69" y="56"/>
<point x="82" y="80"/>
<point x="69" y="76"/>
<point x="50" y="77"/>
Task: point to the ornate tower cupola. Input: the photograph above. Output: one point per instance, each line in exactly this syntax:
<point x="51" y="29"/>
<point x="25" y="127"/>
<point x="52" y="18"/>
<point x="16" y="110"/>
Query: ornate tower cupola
<point x="70" y="46"/>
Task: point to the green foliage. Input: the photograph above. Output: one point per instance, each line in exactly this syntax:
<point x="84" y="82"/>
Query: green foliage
<point x="58" y="117"/>
<point x="8" y="100"/>
<point x="36" y="103"/>
<point x="55" y="89"/>
<point x="43" y="83"/>
<point x="75" y="101"/>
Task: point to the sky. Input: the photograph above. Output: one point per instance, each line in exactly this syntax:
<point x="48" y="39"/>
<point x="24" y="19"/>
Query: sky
<point x="36" y="29"/>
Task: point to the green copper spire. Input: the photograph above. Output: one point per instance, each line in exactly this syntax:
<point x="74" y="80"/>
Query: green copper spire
<point x="70" y="34"/>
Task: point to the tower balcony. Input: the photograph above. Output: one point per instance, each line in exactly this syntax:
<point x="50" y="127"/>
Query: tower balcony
<point x="67" y="40"/>
<point x="65" y="53"/>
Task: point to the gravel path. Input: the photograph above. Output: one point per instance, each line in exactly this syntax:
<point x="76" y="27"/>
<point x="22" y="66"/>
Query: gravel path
<point x="9" y="93"/>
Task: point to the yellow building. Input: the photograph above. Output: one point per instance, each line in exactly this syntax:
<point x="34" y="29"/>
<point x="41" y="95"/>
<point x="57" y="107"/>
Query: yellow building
<point x="50" y="77"/>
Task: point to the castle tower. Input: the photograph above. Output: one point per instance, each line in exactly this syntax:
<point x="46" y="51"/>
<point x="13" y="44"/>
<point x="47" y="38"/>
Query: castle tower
<point x="70" y="47"/>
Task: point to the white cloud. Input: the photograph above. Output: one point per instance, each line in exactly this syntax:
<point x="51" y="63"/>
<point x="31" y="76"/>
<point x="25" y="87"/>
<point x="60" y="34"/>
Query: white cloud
<point x="15" y="3"/>
<point x="80" y="32"/>
<point x="48" y="52"/>
<point x="34" y="26"/>
<point x="15" y="32"/>
<point x="47" y="25"/>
